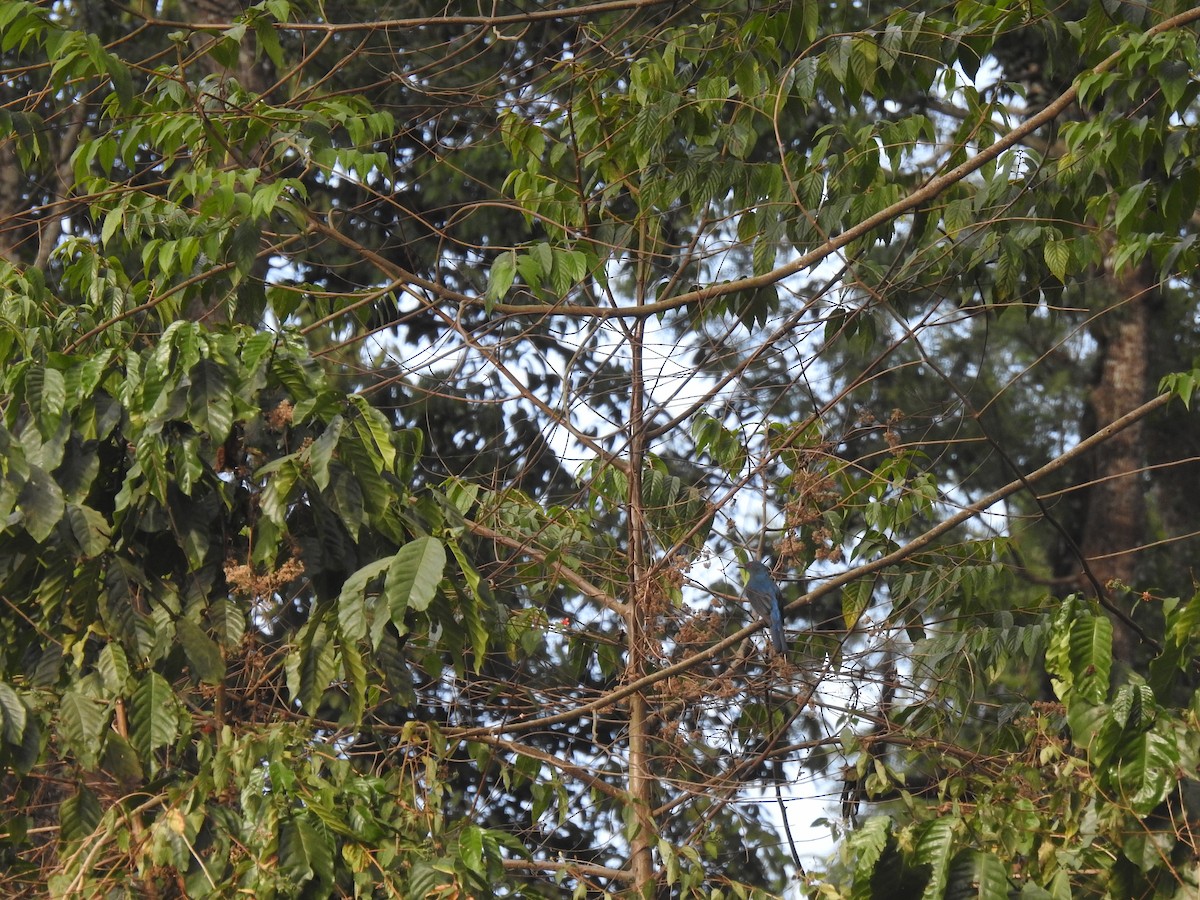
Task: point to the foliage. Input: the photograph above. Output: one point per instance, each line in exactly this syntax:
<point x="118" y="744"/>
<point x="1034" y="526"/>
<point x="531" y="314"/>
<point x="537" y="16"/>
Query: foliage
<point x="386" y="402"/>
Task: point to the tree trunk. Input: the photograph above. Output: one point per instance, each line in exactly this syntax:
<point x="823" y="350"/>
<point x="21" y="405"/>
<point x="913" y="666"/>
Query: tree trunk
<point x="1114" y="523"/>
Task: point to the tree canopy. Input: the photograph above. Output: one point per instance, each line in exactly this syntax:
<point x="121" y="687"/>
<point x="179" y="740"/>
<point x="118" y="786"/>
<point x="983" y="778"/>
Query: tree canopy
<point x="392" y="396"/>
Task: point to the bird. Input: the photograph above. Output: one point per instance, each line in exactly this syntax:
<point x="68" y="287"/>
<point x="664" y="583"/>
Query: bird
<point x="764" y="597"/>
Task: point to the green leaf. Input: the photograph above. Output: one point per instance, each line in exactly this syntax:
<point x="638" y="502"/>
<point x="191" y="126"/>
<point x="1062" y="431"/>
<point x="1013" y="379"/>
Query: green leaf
<point x="501" y="277"/>
<point x="413" y="577"/>
<point x="210" y="403"/>
<point x="268" y="39"/>
<point x="979" y="875"/>
<point x="351" y="608"/>
<point x="365" y="467"/>
<point x="890" y="46"/>
<point x="1091" y="657"/>
<point x="1142" y="770"/>
<point x="154" y="717"/>
<point x="278" y="492"/>
<point x="203" y="654"/>
<point x="12" y="715"/>
<point x="427" y="879"/>
<point x="196" y="540"/>
<point x="856" y="596"/>
<point x="1058" y="258"/>
<point x="470" y="849"/>
<point x="122" y="80"/>
<point x="227" y="621"/>
<point x="305" y="850"/>
<point x="113" y="666"/>
<point x="356" y="681"/>
<point x="868" y="842"/>
<point x="311" y="667"/>
<point x="864" y="60"/>
<point x="90" y="528"/>
<point x="345" y="498"/>
<point x="1130" y="202"/>
<point x="81" y="720"/>
<point x="149" y="453"/>
<point x="120" y="760"/>
<point x="112" y="224"/>
<point x="46" y="394"/>
<point x="79" y="815"/>
<point x="811" y="18"/>
<point x="935" y="849"/>
<point x="837" y="57"/>
<point x="375" y="431"/>
<point x="41" y="504"/>
<point x="477" y="634"/>
<point x="321" y="451"/>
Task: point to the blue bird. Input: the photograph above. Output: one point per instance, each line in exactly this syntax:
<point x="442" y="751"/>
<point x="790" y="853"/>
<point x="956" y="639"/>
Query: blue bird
<point x="764" y="597"/>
